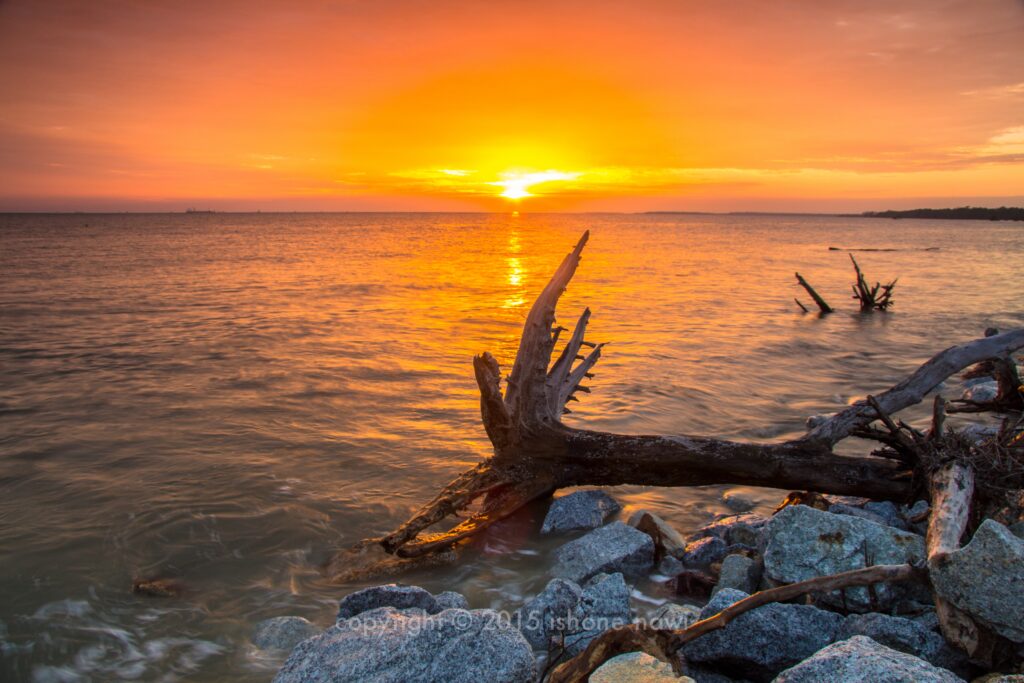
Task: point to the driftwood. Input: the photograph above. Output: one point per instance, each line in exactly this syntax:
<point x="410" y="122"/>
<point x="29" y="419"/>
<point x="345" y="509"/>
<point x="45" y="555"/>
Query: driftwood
<point x="665" y="644"/>
<point x="821" y="303"/>
<point x="1010" y="387"/>
<point x="877" y="297"/>
<point x="536" y="454"/>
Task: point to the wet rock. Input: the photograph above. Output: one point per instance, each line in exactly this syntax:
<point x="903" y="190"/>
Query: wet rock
<point x="672" y="615"/>
<point x="739" y="500"/>
<point x="803" y="543"/>
<point x="760" y="643"/>
<point x="667" y="541"/>
<point x="670" y="566"/>
<point x="282" y="633"/>
<point x="158" y="587"/>
<point x="738" y="573"/>
<point x="549" y="614"/>
<point x="636" y="667"/>
<point x="743" y="529"/>
<point x="985" y="578"/>
<point x="906" y="636"/>
<point x="862" y="660"/>
<point x="451" y="600"/>
<point x="388" y="595"/>
<point x="579" y="511"/>
<point x="918" y="512"/>
<point x="386" y="645"/>
<point x="703" y="552"/>
<point x="616" y="547"/>
<point x="603" y="606"/>
<point x="982" y="392"/>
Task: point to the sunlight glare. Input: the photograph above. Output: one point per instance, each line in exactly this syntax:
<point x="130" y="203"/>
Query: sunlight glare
<point x="517" y="184"/>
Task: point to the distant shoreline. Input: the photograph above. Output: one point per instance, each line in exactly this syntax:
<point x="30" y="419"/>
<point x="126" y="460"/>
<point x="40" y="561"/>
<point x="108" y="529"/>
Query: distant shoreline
<point x="971" y="213"/>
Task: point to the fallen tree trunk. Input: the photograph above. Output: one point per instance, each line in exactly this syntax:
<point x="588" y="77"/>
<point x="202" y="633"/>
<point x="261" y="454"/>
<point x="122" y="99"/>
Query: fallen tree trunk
<point x="535" y="454"/>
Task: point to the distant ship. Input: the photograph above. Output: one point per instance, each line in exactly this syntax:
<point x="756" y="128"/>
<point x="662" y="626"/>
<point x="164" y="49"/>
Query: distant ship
<point x="199" y="211"/>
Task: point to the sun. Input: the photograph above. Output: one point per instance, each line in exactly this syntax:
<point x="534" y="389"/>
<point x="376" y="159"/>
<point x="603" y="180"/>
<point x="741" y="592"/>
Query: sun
<point x="517" y="184"/>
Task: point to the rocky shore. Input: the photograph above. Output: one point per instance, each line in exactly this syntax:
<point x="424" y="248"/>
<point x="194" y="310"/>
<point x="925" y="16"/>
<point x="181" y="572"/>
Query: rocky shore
<point x="879" y="633"/>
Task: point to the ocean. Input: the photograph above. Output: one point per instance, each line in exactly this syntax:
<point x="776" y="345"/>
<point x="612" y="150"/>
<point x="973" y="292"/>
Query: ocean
<point x="226" y="399"/>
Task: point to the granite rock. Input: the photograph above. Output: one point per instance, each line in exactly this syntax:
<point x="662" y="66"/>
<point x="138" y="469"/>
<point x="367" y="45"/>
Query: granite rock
<point x="282" y="633"/>
<point x="616" y="547"/>
<point x="579" y="511"/>
<point x="862" y="660"/>
<point x="386" y="645"/>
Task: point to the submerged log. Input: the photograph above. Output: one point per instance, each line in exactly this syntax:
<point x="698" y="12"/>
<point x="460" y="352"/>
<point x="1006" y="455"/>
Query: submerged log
<point x="821" y="303"/>
<point x="536" y="454"/>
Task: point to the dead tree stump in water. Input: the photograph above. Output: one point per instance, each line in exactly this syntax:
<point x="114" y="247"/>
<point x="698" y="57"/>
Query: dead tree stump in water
<point x="536" y="454"/>
<point x="877" y="297"/>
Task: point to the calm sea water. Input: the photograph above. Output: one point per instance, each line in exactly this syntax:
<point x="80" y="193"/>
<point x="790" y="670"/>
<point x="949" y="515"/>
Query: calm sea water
<point x="227" y="398"/>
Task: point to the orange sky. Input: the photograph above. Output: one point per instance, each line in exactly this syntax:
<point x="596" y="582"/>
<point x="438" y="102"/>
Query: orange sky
<point x="415" y="105"/>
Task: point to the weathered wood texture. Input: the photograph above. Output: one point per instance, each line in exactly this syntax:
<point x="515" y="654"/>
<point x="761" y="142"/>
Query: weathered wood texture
<point x="535" y="453"/>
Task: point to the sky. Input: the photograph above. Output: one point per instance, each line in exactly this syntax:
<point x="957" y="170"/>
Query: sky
<point x="555" y="105"/>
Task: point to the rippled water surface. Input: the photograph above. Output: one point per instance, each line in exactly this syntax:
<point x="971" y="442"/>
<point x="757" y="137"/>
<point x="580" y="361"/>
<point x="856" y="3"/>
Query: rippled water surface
<point x="225" y="399"/>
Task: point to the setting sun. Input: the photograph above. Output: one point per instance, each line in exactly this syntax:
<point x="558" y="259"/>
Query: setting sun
<point x="517" y="184"/>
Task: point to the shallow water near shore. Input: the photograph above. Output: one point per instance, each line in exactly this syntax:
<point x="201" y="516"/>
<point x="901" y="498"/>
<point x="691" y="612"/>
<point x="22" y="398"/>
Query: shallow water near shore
<point x="225" y="399"/>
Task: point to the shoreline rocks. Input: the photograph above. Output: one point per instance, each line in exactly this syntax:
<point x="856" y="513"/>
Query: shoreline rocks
<point x="388" y="645"/>
<point x="579" y="511"/>
<point x="616" y="547"/>
<point x="862" y="660"/>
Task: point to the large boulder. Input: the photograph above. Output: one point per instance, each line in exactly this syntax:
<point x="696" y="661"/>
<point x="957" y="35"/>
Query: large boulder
<point x="985" y="578"/>
<point x="616" y="547"/>
<point x="603" y="606"/>
<point x="636" y="667"/>
<point x="282" y="633"/>
<point x="862" y="660"/>
<point x="803" y="542"/>
<point x="905" y="635"/>
<point x="760" y="643"/>
<point x="388" y="595"/>
<point x="386" y="645"/>
<point x="548" y="614"/>
<point x="579" y="511"/>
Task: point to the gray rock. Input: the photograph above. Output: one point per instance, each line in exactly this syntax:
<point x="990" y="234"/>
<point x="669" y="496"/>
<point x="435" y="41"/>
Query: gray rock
<point x="888" y="511"/>
<point x="703" y="552"/>
<point x="549" y="614"/>
<point x="738" y="573"/>
<point x="667" y="540"/>
<point x="616" y="547"/>
<point x="636" y="667"/>
<point x="388" y="595"/>
<point x="388" y="646"/>
<point x="841" y="509"/>
<point x="451" y="600"/>
<point x="739" y="500"/>
<point x="803" y="543"/>
<point x="763" y="641"/>
<point x="579" y="511"/>
<point x="671" y="615"/>
<point x="670" y="566"/>
<point x="917" y="511"/>
<point x="746" y="529"/>
<point x="979" y="432"/>
<point x="985" y="578"/>
<point x="1017" y="529"/>
<point x="703" y="674"/>
<point x="982" y="392"/>
<point x="862" y="660"/>
<point x="282" y="633"/>
<point x="603" y="606"/>
<point x="904" y="635"/>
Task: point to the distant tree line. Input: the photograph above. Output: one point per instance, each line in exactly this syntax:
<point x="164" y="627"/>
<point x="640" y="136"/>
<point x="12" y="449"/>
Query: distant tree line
<point x="974" y="213"/>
